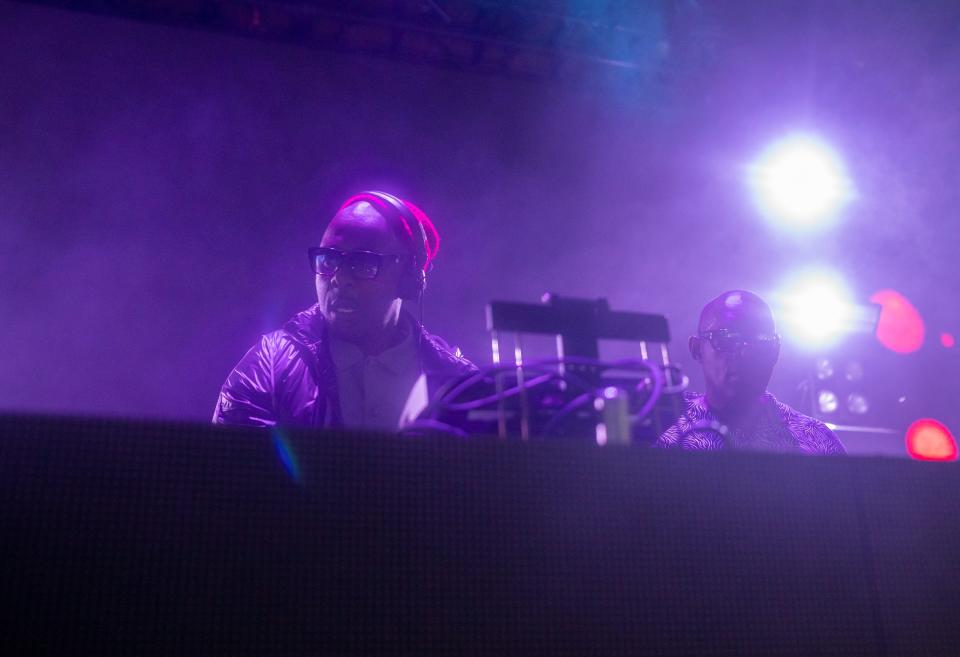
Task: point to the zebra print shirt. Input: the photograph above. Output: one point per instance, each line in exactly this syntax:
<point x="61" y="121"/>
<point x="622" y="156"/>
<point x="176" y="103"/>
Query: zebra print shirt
<point x="777" y="428"/>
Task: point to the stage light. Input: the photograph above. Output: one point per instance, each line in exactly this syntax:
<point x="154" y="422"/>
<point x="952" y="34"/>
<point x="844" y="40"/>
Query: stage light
<point x="824" y="369"/>
<point x="947" y="340"/>
<point x="901" y="328"/>
<point x="837" y="388"/>
<point x="929" y="440"/>
<point x="827" y="401"/>
<point x="800" y="182"/>
<point x="857" y="404"/>
<point x="814" y="310"/>
<point x="853" y="371"/>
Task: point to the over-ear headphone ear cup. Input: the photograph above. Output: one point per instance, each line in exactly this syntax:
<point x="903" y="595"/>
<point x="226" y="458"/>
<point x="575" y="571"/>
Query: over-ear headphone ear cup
<point x="412" y="283"/>
<point x="414" y="280"/>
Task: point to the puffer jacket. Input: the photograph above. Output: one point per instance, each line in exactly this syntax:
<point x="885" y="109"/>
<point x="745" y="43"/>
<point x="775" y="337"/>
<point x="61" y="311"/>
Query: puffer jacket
<point x="288" y="377"/>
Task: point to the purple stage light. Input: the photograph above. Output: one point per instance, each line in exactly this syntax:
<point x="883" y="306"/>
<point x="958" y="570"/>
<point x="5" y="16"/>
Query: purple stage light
<point x="799" y="182"/>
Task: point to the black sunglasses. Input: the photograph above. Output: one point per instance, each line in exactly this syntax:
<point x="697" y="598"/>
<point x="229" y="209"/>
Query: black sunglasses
<point x="727" y="341"/>
<point x="362" y="264"/>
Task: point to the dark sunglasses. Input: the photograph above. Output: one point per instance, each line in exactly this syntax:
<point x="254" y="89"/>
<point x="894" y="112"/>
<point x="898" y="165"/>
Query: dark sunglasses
<point x="362" y="264"/>
<point x="727" y="341"/>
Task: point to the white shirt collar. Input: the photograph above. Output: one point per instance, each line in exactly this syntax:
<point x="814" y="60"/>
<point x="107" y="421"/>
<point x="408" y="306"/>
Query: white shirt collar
<point x="395" y="359"/>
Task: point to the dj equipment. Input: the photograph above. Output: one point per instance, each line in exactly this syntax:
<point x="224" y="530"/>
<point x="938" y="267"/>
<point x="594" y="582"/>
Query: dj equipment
<point x="574" y="394"/>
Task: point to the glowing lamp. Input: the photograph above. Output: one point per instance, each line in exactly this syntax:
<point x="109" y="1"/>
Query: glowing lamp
<point x="901" y="328"/>
<point x="929" y="440"/>
<point x="799" y="182"/>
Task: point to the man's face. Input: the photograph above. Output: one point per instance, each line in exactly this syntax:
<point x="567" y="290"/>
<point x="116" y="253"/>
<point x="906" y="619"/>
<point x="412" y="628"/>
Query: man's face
<point x="356" y="307"/>
<point x="737" y="348"/>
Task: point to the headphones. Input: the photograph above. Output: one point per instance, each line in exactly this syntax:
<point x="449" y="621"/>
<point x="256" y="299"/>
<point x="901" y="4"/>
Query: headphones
<point x="413" y="281"/>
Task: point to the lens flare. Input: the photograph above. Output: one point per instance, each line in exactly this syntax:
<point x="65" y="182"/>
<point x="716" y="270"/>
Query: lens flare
<point x="286" y="455"/>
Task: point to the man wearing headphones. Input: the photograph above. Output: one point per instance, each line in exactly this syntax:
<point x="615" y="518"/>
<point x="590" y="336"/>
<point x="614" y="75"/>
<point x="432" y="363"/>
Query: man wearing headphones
<point x="355" y="357"/>
<point x="737" y="346"/>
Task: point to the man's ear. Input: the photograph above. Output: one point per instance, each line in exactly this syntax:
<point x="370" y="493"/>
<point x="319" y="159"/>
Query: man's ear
<point x="694" y="345"/>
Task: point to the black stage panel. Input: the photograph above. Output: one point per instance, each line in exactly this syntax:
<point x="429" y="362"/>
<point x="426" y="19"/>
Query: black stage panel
<point x="157" y="538"/>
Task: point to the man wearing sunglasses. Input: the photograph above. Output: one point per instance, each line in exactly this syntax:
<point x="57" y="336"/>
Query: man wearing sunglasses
<point x="356" y="358"/>
<point x="737" y="347"/>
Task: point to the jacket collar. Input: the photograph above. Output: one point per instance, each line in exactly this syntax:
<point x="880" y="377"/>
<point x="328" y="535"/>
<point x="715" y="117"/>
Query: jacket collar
<point x="307" y="327"/>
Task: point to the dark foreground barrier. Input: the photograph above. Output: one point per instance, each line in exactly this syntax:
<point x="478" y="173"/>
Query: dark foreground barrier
<point x="133" y="538"/>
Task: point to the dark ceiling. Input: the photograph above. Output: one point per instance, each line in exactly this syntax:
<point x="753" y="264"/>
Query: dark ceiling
<point x="532" y="38"/>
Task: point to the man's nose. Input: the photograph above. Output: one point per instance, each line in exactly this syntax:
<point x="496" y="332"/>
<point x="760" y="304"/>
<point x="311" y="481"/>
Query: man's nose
<point x="738" y="352"/>
<point x="344" y="276"/>
<point x="752" y="354"/>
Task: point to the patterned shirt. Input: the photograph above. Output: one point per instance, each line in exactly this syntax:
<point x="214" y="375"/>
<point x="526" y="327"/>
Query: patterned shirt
<point x="775" y="428"/>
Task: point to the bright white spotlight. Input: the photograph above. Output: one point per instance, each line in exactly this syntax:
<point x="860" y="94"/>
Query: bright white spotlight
<point x="827" y="401"/>
<point x="815" y="309"/>
<point x="800" y="182"/>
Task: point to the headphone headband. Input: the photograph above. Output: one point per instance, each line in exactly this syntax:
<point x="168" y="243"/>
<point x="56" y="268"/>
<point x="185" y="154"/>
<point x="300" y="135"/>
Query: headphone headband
<point x="418" y="235"/>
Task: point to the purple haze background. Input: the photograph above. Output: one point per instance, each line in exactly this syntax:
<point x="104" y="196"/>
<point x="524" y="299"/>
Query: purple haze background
<point x="159" y="187"/>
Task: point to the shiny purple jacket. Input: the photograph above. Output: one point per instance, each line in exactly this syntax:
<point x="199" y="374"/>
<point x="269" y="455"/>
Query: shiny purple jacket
<point x="288" y="377"/>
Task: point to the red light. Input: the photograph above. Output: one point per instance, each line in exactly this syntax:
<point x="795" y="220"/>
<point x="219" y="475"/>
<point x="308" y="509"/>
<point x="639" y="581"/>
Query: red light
<point x="900" y="328"/>
<point x="947" y="340"/>
<point x="928" y="440"/>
